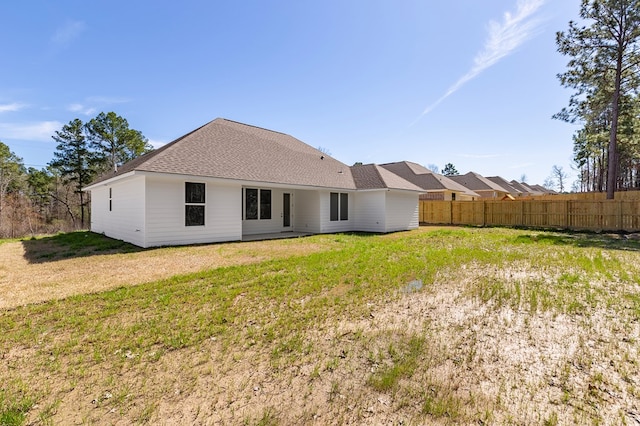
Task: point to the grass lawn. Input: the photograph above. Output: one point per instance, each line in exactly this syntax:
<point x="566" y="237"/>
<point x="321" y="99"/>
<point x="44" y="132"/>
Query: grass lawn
<point x="436" y="326"/>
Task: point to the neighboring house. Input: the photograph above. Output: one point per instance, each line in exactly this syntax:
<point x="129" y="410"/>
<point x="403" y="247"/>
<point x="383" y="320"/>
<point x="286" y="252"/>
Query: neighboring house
<point x="481" y="185"/>
<point x="524" y="190"/>
<point x="513" y="192"/>
<point x="435" y="186"/>
<point x="527" y="190"/>
<point x="226" y="180"/>
<point x="541" y="189"/>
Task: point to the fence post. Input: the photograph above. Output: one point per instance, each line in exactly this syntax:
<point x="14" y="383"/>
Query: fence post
<point x="619" y="216"/>
<point x="451" y="212"/>
<point x="484" y="213"/>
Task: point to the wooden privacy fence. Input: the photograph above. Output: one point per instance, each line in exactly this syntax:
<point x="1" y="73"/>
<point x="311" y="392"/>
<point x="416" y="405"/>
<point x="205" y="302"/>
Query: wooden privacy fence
<point x="594" y="215"/>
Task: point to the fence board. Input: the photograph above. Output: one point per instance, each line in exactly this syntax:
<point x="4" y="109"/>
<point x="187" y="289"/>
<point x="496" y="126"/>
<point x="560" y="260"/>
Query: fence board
<point x="588" y="196"/>
<point x="595" y="215"/>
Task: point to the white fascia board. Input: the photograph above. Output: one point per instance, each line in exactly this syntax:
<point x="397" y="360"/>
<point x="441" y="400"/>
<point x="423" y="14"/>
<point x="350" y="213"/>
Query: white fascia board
<point x="110" y="181"/>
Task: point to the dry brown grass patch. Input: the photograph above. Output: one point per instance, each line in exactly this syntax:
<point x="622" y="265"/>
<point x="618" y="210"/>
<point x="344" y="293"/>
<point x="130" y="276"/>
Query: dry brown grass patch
<point x="23" y="281"/>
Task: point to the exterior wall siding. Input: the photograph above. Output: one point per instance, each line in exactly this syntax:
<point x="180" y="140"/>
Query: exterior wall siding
<point x="401" y="211"/>
<point x="327" y="225"/>
<point x="165" y="207"/>
<point x="307" y="211"/>
<point x="99" y="209"/>
<point x="125" y="221"/>
<point x="149" y="210"/>
<point x="369" y="211"/>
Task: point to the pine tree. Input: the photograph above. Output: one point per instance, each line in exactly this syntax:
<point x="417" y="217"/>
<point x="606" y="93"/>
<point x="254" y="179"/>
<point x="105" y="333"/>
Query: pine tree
<point x="74" y="160"/>
<point x="603" y="69"/>
<point x="450" y="170"/>
<point x="114" y="142"/>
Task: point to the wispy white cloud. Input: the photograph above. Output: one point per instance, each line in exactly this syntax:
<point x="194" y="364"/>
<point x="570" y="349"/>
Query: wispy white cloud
<point x="503" y="39"/>
<point x="11" y="107"/>
<point x="67" y="33"/>
<point x="38" y="131"/>
<point x="82" y="109"/>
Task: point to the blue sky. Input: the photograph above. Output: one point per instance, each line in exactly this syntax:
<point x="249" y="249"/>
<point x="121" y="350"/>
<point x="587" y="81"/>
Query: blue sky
<point x="468" y="82"/>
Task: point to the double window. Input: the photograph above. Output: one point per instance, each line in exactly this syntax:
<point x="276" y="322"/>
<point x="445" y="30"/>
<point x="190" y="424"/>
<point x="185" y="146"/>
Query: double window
<point x="338" y="206"/>
<point x="194" y="204"/>
<point x="257" y="204"/>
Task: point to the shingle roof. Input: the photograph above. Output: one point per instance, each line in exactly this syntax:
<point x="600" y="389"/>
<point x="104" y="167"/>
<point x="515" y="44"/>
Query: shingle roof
<point x="531" y="189"/>
<point x="372" y="176"/>
<point x="425" y="178"/>
<point x="476" y="182"/>
<point x="517" y="185"/>
<point x="498" y="180"/>
<point x="231" y="150"/>
<point x="542" y="189"/>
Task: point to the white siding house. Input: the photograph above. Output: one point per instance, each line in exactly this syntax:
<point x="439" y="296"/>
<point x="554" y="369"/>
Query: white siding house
<point x="401" y="211"/>
<point x="165" y="205"/>
<point x="386" y="211"/>
<point x="307" y="208"/>
<point x="227" y="180"/>
<point x="370" y="210"/>
<point x="118" y="210"/>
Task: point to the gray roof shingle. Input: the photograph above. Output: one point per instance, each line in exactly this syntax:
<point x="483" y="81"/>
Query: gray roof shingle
<point x="372" y="176"/>
<point x="476" y="182"/>
<point x="502" y="182"/>
<point x="425" y="178"/>
<point x="231" y="150"/>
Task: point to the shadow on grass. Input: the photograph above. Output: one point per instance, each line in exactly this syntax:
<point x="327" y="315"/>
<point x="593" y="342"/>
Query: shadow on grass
<point x="581" y="239"/>
<point x="72" y="245"/>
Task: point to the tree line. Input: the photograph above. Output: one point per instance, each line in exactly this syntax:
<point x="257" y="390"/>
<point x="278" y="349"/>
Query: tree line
<point x="48" y="200"/>
<point x="604" y="71"/>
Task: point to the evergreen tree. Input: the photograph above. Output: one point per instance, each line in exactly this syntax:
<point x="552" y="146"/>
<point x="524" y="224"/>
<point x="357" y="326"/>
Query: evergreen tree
<point x="603" y="68"/>
<point x="74" y="160"/>
<point x="12" y="174"/>
<point x="114" y="142"/>
<point x="450" y="170"/>
<point x="40" y="184"/>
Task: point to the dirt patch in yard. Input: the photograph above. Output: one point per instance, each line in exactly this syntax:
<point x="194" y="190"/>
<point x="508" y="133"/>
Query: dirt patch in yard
<point x="479" y="364"/>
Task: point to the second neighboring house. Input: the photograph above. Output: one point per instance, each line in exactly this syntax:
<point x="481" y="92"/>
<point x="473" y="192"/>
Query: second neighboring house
<point x="226" y="180"/>
<point x="435" y="186"/>
<point x="481" y="185"/>
<point x="513" y="192"/>
<point x="530" y="190"/>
